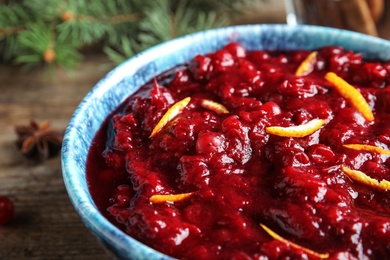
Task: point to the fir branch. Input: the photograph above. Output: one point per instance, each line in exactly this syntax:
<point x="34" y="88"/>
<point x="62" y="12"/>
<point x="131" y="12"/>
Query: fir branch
<point x="8" y="48"/>
<point x="81" y="29"/>
<point x="33" y="43"/>
<point x="125" y="18"/>
<point x="189" y="21"/>
<point x="165" y="20"/>
<point x="7" y="31"/>
<point x="41" y="44"/>
<point x="67" y="56"/>
<point x="13" y="16"/>
<point x="33" y="32"/>
<point x="43" y="10"/>
<point x="94" y="21"/>
<point x="12" y="21"/>
<point x="124" y="50"/>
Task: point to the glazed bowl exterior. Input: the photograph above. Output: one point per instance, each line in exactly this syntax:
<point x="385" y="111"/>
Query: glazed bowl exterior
<point x="133" y="73"/>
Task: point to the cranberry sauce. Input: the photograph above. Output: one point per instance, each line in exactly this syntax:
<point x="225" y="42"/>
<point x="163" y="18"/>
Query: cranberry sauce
<point x="241" y="176"/>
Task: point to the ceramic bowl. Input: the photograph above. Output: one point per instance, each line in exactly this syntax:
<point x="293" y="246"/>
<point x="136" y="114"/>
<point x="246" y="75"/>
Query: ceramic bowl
<point x="127" y="77"/>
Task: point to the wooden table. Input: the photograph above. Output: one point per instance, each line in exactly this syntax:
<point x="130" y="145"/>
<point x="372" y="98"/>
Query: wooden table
<point x="45" y="224"/>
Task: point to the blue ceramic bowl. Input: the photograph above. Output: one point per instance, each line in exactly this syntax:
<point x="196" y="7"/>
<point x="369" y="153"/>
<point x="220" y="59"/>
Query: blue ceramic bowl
<point x="126" y="78"/>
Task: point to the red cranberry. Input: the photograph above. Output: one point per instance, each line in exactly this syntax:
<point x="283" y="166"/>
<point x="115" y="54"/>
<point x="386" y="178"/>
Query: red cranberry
<point x="248" y="72"/>
<point x="222" y="60"/>
<point x="375" y="170"/>
<point x="298" y="88"/>
<point x="123" y="140"/>
<point x="370" y="74"/>
<point x="271" y="108"/>
<point x="201" y="67"/>
<point x="210" y="143"/>
<point x="242" y="90"/>
<point x="6" y="210"/>
<point x="351" y="116"/>
<point x="320" y="153"/>
<point x="236" y="50"/>
<point x="194" y="172"/>
<point x="294" y="157"/>
<point x="181" y="77"/>
<point x="342" y="62"/>
<point x="282" y="59"/>
<point x="159" y="96"/>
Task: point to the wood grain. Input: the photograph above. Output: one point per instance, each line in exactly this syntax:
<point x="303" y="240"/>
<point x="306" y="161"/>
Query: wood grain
<point x="45" y="224"/>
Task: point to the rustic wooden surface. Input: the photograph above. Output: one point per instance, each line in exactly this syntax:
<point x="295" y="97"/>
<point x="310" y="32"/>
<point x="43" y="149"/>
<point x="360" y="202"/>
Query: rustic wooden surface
<point x="45" y="224"/>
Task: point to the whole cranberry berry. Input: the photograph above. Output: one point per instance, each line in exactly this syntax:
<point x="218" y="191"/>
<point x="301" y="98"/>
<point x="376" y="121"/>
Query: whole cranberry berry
<point x="210" y="143"/>
<point x="236" y="49"/>
<point x="6" y="210"/>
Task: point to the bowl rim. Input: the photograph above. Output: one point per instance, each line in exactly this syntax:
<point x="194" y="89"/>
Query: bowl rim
<point x="106" y="232"/>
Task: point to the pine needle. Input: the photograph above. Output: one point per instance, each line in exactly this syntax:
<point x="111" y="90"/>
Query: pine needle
<point x="28" y="28"/>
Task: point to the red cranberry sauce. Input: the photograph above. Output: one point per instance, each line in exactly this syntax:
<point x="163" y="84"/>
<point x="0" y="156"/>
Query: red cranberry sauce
<point x="240" y="175"/>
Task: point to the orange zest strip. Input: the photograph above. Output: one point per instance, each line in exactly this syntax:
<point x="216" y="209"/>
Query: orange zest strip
<point x="296" y="246"/>
<point x="351" y="94"/>
<point x="172" y="112"/>
<point x="367" y="148"/>
<point x="158" y="198"/>
<point x="296" y="131"/>
<point x="365" y="179"/>
<point x="214" y="106"/>
<point x="307" y="65"/>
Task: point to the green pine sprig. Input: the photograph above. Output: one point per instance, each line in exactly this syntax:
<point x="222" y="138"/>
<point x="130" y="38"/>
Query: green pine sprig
<point x="34" y="32"/>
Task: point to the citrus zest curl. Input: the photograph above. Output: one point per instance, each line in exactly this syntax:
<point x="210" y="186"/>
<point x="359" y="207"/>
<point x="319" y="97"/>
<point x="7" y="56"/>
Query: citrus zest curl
<point x="296" y="131"/>
<point x="214" y="106"/>
<point x="351" y="94"/>
<point x="367" y="148"/>
<point x="172" y="112"/>
<point x="361" y="177"/>
<point x="307" y="65"/>
<point x="292" y="244"/>
<point x="170" y="198"/>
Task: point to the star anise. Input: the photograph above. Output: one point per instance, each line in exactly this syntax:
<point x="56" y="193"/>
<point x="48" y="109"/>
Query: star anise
<point x="39" y="141"/>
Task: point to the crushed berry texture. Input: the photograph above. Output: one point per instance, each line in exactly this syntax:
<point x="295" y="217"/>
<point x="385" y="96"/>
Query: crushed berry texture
<point x="240" y="175"/>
